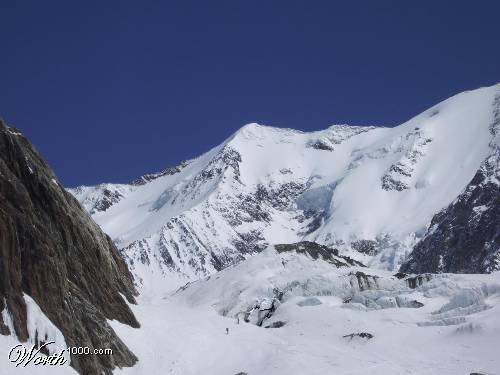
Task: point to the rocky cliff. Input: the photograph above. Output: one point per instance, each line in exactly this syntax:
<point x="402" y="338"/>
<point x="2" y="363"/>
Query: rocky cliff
<point x="53" y="252"/>
<point x="465" y="236"/>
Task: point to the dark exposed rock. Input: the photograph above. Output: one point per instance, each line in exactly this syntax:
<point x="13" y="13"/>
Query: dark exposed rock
<point x="246" y="208"/>
<point x="51" y="250"/>
<point x="320" y="144"/>
<point x="165" y="255"/>
<point x="389" y="183"/>
<point x="227" y="159"/>
<point x="398" y="175"/>
<point x="363" y="281"/>
<point x="400" y="169"/>
<point x="144" y="179"/>
<point x="250" y="242"/>
<point x="465" y="236"/>
<point x="98" y="198"/>
<point x="315" y="218"/>
<point x="280" y="196"/>
<point x="109" y="198"/>
<point x="415" y="281"/>
<point x="339" y="133"/>
<point x="276" y="324"/>
<point x="286" y="171"/>
<point x="382" y="242"/>
<point x="413" y="304"/>
<point x="364" y="335"/>
<point x="365" y="246"/>
<point x="400" y="275"/>
<point x="316" y="251"/>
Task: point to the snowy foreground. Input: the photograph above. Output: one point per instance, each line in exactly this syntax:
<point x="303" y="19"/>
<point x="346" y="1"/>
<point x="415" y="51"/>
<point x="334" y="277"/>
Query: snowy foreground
<point x="456" y="331"/>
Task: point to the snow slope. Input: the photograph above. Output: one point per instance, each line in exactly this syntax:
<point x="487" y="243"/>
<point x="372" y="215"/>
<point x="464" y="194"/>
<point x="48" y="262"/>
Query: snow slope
<point x="370" y="192"/>
<point x="39" y="326"/>
<point x="454" y="332"/>
<point x="453" y="329"/>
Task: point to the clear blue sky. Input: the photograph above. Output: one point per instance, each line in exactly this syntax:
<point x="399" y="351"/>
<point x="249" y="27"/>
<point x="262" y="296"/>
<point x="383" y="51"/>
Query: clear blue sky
<point x="108" y="90"/>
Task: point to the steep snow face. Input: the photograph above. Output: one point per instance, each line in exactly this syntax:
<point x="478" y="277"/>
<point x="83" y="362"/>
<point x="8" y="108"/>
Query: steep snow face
<point x="465" y="237"/>
<point x="423" y="165"/>
<point x="369" y="191"/>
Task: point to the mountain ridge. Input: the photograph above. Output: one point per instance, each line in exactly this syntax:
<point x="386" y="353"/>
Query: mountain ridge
<point x="351" y="187"/>
<point x="61" y="277"/>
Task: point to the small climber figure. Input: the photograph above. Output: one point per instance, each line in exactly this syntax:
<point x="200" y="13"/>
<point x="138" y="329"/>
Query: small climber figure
<point x="283" y="262"/>
<point x="227" y="331"/>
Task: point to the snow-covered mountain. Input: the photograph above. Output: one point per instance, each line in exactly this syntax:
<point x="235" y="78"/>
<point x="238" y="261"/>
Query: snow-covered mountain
<point x="371" y="192"/>
<point x="275" y="252"/>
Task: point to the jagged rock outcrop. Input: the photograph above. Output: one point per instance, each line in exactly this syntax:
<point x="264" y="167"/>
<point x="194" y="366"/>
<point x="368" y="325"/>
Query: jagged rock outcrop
<point x="464" y="237"/>
<point x="315" y="251"/>
<point x="101" y="197"/>
<point x="52" y="251"/>
<point x="326" y="142"/>
<point x="144" y="179"/>
<point x="368" y="247"/>
<point x="363" y="335"/>
<point x="399" y="175"/>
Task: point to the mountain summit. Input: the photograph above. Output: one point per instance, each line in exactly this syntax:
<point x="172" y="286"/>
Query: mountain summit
<point x="375" y="193"/>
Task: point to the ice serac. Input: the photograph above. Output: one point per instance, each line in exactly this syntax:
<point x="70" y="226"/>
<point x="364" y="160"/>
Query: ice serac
<point x="259" y="289"/>
<point x="59" y="273"/>
<point x="371" y="192"/>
